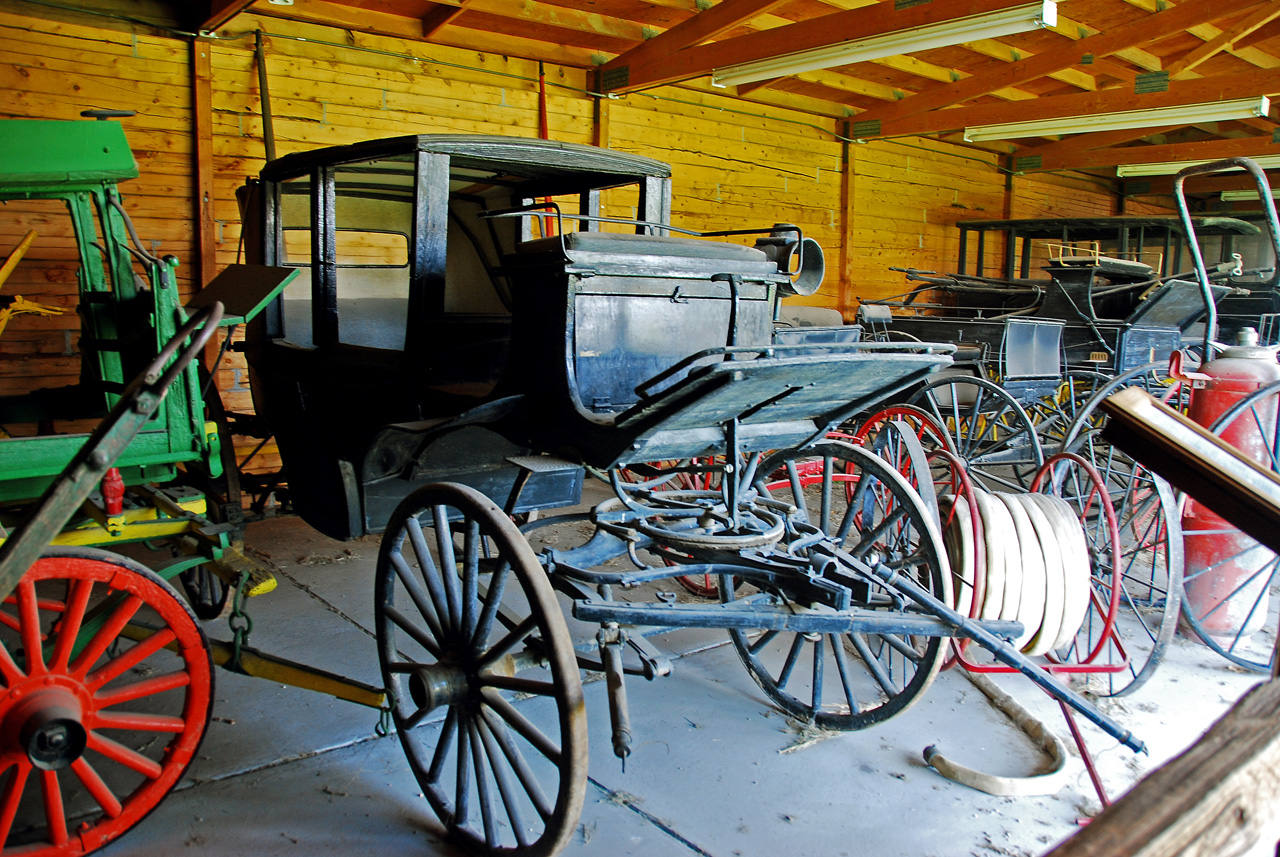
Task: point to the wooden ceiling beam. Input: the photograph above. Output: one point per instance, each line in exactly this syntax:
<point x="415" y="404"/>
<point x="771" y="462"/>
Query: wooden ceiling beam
<point x="402" y="27"/>
<point x="1141" y="32"/>
<point x="561" y="18"/>
<point x="1078" y="144"/>
<point x="820" y="32"/>
<point x="438" y="16"/>
<point x="1207" y="150"/>
<point x="221" y="12"/>
<point x="1000" y="51"/>
<point x="1223" y="40"/>
<point x="1198" y="91"/>
<point x="705" y="25"/>
<point x="1207" y="31"/>
<point x="1215" y="183"/>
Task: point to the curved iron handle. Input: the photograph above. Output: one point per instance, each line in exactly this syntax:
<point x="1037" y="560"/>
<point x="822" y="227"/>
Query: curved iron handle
<point x="1202" y="274"/>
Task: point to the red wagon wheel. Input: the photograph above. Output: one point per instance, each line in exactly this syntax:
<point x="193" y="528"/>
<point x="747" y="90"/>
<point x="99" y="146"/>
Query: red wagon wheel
<point x="108" y="691"/>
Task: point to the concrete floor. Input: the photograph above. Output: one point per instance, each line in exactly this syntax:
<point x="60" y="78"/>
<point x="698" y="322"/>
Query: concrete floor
<point x="716" y="769"/>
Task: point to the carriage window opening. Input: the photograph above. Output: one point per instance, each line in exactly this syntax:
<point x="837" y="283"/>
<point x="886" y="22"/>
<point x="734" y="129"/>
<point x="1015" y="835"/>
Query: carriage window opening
<point x="474" y="282"/>
<point x="373" y="214"/>
<point x="294" y="250"/>
<point x="43" y="327"/>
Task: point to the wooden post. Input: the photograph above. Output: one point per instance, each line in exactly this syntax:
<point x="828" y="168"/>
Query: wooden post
<point x="202" y="110"/>
<point x="848" y="170"/>
<point x="600" y="118"/>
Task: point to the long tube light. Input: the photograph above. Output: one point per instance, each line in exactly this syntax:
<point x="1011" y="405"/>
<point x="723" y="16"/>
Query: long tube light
<point x="989" y="25"/>
<point x="1247" y="195"/>
<point x="1154" y="117"/>
<point x="1168" y="168"/>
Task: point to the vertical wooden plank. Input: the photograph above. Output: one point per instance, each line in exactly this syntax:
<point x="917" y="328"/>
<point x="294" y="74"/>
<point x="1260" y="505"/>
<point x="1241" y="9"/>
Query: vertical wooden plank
<point x="600" y="118"/>
<point x="202" y="114"/>
<point x="848" y="172"/>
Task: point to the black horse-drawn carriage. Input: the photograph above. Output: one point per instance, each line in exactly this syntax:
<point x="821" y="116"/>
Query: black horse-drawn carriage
<point x="475" y="338"/>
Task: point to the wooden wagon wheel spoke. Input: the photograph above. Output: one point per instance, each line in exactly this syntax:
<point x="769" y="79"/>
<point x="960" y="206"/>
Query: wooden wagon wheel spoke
<point x="481" y="673"/>
<point x="431" y="576"/>
<point x="516" y="760"/>
<point x="492" y="601"/>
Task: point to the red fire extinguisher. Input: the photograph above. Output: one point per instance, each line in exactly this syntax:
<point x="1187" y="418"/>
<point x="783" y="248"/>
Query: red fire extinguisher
<point x="1223" y="584"/>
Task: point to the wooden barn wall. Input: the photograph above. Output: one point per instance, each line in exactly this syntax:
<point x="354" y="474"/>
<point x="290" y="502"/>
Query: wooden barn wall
<point x="54" y="70"/>
<point x="871" y="205"/>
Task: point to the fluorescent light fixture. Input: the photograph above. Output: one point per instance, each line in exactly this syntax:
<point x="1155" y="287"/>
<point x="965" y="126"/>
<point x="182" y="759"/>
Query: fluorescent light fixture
<point x="1185" y="114"/>
<point x="1168" y="168"/>
<point x="1246" y="195"/>
<point x="989" y="25"/>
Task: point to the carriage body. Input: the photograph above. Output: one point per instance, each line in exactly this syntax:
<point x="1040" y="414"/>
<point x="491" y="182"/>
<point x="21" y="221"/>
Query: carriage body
<point x="468" y="305"/>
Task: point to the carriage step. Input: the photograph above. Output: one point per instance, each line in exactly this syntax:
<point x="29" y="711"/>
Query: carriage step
<point x="746" y="616"/>
<point x="542" y="463"/>
<point x="233" y="563"/>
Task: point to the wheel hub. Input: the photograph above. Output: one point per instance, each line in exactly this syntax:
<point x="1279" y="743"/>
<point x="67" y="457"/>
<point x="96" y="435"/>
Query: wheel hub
<point x="434" y="685"/>
<point x="48" y="726"/>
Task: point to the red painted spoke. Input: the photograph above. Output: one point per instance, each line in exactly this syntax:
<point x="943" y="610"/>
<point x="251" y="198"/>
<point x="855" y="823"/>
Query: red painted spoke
<point x="137" y="721"/>
<point x="54" y="815"/>
<point x="29" y="612"/>
<point x="69" y="627"/>
<point x="13" y="789"/>
<point x="12" y="674"/>
<point x="108" y="632"/>
<point x="117" y="752"/>
<point x="96" y="787"/>
<point x="10" y="621"/>
<point x="139" y="689"/>
<point x="136" y="655"/>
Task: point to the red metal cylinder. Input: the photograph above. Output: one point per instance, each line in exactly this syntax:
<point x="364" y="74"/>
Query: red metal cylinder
<point x="113" y="492"/>
<point x="1223" y="584"/>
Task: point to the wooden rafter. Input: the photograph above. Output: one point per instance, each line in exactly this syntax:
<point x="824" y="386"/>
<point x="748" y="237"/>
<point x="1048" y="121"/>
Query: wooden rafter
<point x="820" y="32"/>
<point x="1208" y="150"/>
<point x="439" y="15"/>
<point x="403" y="27"/>
<point x="221" y="12"/>
<point x="1077" y="144"/>
<point x="1144" y="31"/>
<point x="694" y="31"/>
<point x="1207" y="31"/>
<point x="1223" y="40"/>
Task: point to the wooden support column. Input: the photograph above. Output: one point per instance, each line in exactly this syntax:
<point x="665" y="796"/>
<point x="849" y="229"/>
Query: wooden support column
<point x="848" y="171"/>
<point x="202" y="110"/>
<point x="1009" y="266"/>
<point x="600" y="118"/>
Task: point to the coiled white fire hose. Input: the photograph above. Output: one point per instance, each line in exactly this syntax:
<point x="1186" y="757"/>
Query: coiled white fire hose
<point x="1038" y="572"/>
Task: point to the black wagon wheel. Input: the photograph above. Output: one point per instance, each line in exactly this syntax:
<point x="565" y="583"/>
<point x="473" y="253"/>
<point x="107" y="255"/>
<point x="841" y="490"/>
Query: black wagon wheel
<point x="849" y="680"/>
<point x="1230" y="577"/>
<point x="991" y="432"/>
<point x="480" y="669"/>
<point x="1127" y="627"/>
<point x="1150" y="530"/>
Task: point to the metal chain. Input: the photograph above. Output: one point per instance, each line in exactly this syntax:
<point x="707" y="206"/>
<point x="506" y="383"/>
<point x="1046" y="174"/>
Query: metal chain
<point x="385" y="721"/>
<point x="240" y="623"/>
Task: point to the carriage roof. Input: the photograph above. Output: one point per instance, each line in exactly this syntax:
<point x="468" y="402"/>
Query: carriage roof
<point x="526" y="156"/>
